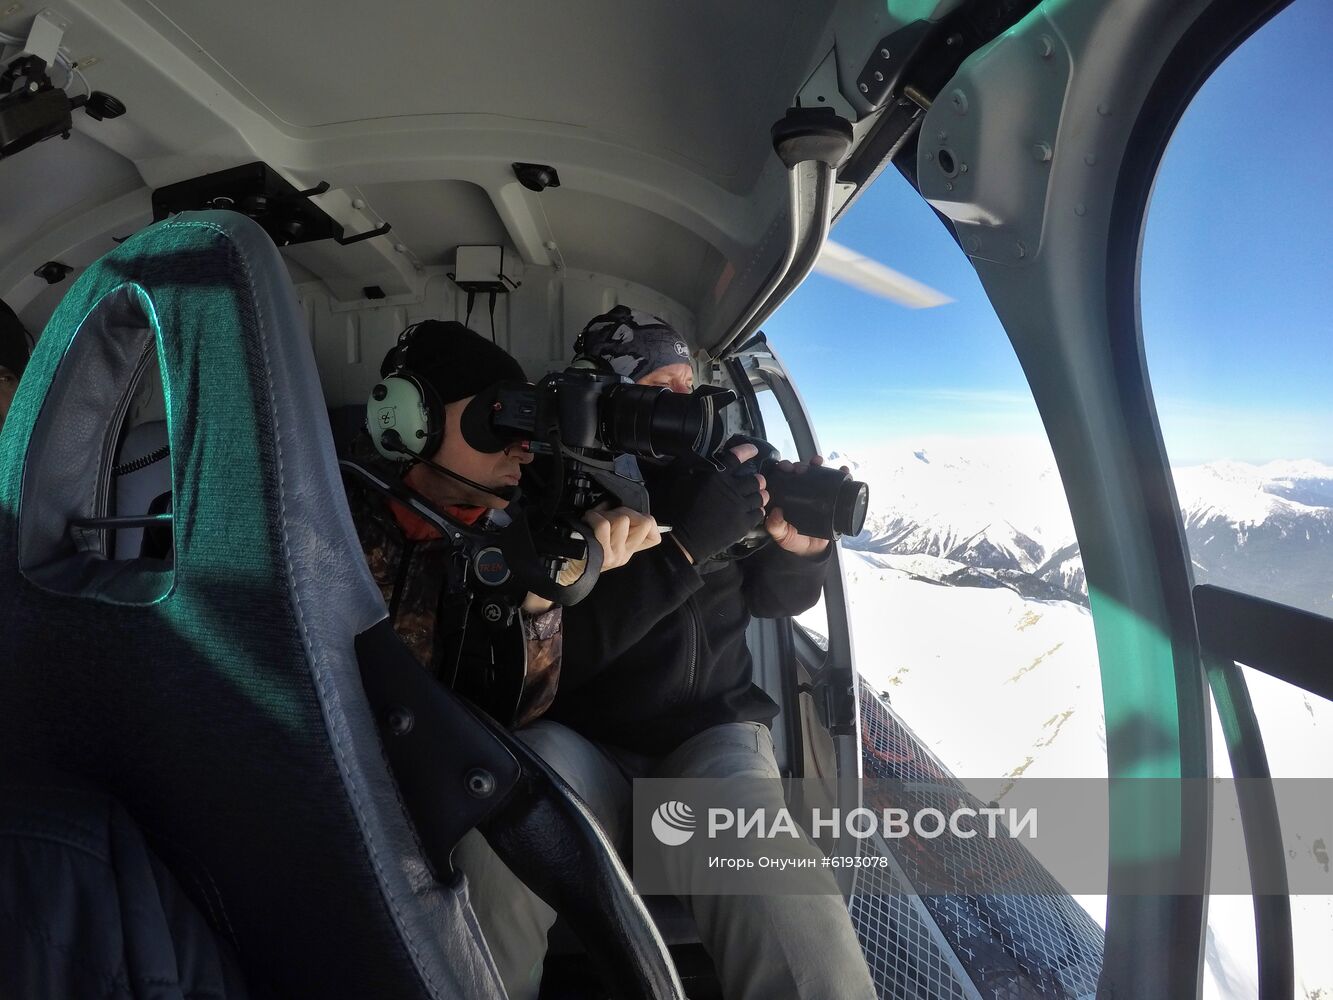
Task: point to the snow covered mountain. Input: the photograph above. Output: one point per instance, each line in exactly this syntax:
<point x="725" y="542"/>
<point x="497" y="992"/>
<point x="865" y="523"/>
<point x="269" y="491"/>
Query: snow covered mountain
<point x="1265" y="529"/>
<point x="968" y="609"/>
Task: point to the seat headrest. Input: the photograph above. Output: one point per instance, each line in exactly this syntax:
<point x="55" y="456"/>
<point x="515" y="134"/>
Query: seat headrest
<point x="217" y="696"/>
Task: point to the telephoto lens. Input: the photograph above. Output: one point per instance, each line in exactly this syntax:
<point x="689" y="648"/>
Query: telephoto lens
<point x="654" y="422"/>
<point x="821" y="502"/>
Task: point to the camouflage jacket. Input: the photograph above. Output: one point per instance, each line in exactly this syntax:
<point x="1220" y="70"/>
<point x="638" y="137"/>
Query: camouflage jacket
<point x="409" y="561"/>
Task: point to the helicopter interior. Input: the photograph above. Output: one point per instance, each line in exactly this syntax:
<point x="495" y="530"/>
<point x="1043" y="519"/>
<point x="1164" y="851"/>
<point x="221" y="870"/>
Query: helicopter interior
<point x="522" y="171"/>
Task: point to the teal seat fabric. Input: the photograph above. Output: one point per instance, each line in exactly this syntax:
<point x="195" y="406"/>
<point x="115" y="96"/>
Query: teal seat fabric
<point x="216" y="694"/>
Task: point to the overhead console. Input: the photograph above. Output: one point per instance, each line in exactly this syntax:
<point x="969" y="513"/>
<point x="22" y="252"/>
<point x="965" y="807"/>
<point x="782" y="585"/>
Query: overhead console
<point x="260" y="193"/>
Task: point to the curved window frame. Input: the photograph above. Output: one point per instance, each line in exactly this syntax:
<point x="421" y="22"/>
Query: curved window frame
<point x="1223" y="618"/>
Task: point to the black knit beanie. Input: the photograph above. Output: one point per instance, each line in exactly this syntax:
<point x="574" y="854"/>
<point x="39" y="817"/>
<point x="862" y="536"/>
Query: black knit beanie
<point x="455" y="361"/>
<point x="13" y="341"/>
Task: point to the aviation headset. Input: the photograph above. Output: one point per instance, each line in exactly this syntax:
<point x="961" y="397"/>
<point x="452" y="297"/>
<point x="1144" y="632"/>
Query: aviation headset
<point x="404" y="414"/>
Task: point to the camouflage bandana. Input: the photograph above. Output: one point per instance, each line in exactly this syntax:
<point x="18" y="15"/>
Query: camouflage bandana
<point x="633" y="343"/>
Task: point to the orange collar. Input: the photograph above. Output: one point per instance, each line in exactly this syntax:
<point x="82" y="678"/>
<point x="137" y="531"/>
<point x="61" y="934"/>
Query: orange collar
<point x="418" y="529"/>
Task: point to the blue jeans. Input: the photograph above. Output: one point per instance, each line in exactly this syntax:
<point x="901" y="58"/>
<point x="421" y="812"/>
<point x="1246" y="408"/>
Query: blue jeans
<point x="764" y="947"/>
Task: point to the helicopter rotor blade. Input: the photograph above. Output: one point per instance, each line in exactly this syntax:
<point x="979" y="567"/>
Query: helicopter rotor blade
<point x="843" y="264"/>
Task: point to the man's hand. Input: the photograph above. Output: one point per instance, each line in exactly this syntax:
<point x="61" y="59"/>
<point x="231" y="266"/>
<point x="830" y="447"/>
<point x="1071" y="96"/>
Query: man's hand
<point x="711" y="510"/>
<point x="621" y="532"/>
<point x="782" y="531"/>
<point x="534" y="605"/>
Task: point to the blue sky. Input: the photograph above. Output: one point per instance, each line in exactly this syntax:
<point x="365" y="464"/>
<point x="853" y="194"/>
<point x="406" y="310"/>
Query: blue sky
<point x="1237" y="285"/>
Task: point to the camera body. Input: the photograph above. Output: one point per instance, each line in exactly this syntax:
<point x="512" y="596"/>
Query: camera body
<point x="586" y="422"/>
<point x="818" y="501"/>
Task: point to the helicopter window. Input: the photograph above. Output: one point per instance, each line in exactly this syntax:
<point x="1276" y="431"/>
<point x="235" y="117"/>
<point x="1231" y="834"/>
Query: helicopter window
<point x="969" y="610"/>
<point x="776" y="430"/>
<point x="1234" y="311"/>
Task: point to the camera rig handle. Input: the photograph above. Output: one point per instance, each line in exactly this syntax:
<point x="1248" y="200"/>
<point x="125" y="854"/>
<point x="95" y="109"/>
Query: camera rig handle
<point x="561" y="535"/>
<point x="521" y="567"/>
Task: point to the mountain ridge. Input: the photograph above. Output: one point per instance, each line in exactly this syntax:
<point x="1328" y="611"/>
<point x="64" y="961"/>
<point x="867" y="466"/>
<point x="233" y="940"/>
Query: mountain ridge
<point x="1266" y="529"/>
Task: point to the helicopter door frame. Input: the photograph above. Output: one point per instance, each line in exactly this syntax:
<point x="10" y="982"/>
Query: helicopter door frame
<point x="833" y="676"/>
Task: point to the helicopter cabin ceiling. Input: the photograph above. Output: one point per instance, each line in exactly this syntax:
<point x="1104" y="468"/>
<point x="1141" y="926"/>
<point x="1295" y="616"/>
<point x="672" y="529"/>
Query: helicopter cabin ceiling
<point x="655" y="116"/>
<point x="697" y="82"/>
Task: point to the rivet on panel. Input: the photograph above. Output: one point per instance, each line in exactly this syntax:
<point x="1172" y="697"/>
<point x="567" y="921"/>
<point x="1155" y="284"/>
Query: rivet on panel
<point x="480" y="783"/>
<point x="1041" y="152"/>
<point x="973" y="244"/>
<point x="865" y="89"/>
<point x="1080" y="209"/>
<point x="879" y="77"/>
<point x="884" y="53"/>
<point x="1104" y="110"/>
<point x="959" y="101"/>
<point x="1089" y="159"/>
<point x="358" y="203"/>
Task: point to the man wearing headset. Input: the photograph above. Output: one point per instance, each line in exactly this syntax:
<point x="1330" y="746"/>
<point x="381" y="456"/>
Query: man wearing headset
<point x="440" y="366"/>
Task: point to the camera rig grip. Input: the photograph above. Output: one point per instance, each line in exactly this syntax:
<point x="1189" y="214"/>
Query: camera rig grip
<point x="563" y="538"/>
<point x="504" y="561"/>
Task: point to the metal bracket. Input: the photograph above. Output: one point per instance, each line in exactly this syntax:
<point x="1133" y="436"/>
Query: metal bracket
<point x="346" y="241"/>
<point x="44" y="37"/>
<point x="882" y="71"/>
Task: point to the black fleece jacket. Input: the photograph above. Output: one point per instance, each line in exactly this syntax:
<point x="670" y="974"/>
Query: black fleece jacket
<point x="656" y="653"/>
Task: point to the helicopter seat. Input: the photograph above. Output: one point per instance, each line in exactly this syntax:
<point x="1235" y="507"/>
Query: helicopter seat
<point x="245" y="700"/>
<point x="217" y="696"/>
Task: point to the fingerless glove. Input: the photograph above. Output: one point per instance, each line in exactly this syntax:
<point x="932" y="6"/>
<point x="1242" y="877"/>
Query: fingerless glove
<point x="710" y="510"/>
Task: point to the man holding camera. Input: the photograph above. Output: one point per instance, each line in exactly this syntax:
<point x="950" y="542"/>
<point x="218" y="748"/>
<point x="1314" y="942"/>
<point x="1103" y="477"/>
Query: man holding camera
<point x="686" y="607"/>
<point x="408" y="556"/>
<point x="657" y="680"/>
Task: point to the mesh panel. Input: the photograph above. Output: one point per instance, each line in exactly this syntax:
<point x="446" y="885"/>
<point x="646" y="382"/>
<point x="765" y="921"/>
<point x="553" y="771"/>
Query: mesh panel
<point x="905" y="961"/>
<point x="1038" y="945"/>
